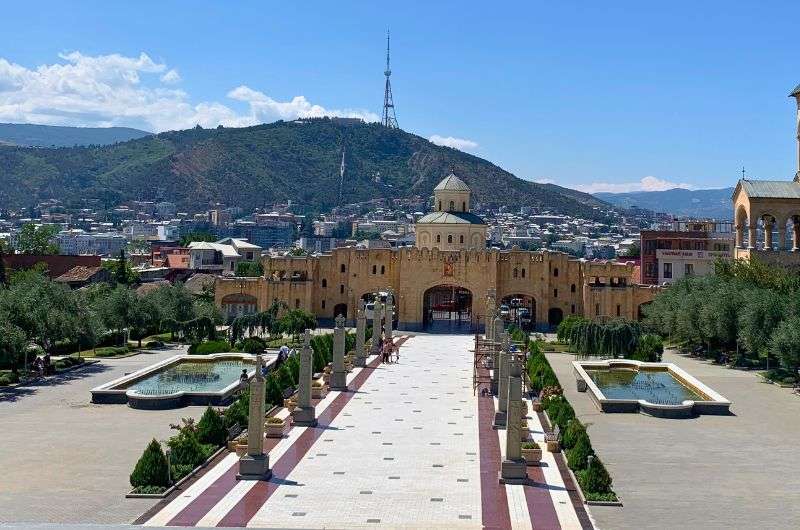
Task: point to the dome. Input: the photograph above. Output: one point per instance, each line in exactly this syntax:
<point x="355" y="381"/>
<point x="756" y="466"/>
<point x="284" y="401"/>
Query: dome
<point x="451" y="183"/>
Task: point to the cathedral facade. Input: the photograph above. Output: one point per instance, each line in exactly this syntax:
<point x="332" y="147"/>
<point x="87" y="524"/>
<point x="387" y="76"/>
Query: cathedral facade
<point x="442" y="282"/>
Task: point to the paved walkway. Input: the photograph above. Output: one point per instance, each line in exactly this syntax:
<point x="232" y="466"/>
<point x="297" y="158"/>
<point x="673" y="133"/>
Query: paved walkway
<point x="738" y="471"/>
<point x="405" y="450"/>
<point x="66" y="460"/>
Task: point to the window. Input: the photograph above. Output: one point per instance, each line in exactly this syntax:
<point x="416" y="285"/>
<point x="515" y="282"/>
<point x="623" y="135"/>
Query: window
<point x="464" y="206"/>
<point x="597" y="309"/>
<point x="555" y="272"/>
<point x="341" y="289"/>
<point x="555" y="293"/>
<point x="461" y="239"/>
<point x="383" y="269"/>
<point x="572" y="288"/>
<point x="297" y="303"/>
<point x="619" y="309"/>
<point x="523" y="272"/>
<point x="323" y="304"/>
<point x="688" y="269"/>
<point x="452" y="206"/>
<point x="668" y="270"/>
<point x="342" y="268"/>
<point x="324" y="283"/>
<point x="440" y="206"/>
<point x="374" y="269"/>
<point x="572" y="309"/>
<point x="450" y="238"/>
<point x="515" y="273"/>
<point x="438" y="238"/>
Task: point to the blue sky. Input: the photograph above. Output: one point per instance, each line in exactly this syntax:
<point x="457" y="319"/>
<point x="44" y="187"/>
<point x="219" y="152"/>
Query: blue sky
<point x="597" y="95"/>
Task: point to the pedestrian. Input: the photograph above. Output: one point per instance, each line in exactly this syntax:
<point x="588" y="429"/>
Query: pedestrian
<point x="396" y="350"/>
<point x="243" y="379"/>
<point x="387" y="350"/>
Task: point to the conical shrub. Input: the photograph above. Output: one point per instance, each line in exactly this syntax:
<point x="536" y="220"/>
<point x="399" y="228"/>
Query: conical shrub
<point x="151" y="469"/>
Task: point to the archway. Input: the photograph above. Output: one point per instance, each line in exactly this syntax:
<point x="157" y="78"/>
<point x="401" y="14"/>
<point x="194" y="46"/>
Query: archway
<point x="642" y="310"/>
<point x="554" y="316"/>
<point x="519" y="309"/>
<point x="340" y="309"/>
<point x="447" y="309"/>
<point x="238" y="304"/>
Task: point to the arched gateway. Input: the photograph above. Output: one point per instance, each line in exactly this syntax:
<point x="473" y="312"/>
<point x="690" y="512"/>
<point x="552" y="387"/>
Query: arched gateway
<point x="447" y="309"/>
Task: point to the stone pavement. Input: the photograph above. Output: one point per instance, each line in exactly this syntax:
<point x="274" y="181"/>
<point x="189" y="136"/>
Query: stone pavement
<point x="738" y="471"/>
<point x="404" y="450"/>
<point x="66" y="460"/>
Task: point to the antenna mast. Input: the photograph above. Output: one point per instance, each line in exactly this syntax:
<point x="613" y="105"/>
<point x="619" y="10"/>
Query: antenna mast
<point x="389" y="118"/>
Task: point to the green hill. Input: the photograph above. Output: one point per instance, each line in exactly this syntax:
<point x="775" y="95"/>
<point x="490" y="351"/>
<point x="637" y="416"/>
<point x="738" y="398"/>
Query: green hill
<point x="256" y="166"/>
<point x="29" y="135"/>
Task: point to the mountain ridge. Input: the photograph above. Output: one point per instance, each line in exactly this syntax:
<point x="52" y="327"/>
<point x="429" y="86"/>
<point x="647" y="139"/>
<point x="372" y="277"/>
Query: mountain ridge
<point x="259" y="165"/>
<point x="706" y="203"/>
<point x="34" y="135"/>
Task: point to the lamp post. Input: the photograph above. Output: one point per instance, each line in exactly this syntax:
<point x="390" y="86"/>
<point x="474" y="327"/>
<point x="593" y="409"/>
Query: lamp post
<point x="168" y="452"/>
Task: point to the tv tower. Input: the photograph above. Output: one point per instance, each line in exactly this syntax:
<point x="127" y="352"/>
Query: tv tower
<point x="389" y="119"/>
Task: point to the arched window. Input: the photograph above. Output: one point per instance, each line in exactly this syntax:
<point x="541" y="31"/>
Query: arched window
<point x="523" y="272"/>
<point x="323" y="304"/>
<point x="324" y="283"/>
<point x="450" y="238"/>
<point x="374" y="269"/>
<point x="383" y="269"/>
<point x="341" y="289"/>
<point x="573" y="309"/>
<point x="619" y="309"/>
<point x="555" y="293"/>
<point x="461" y="239"/>
<point x="452" y="206"/>
<point x="515" y="273"/>
<point x="464" y="206"/>
<point x="572" y="288"/>
<point x="342" y="268"/>
<point x="555" y="272"/>
<point x="438" y="238"/>
<point x="297" y="303"/>
<point x="440" y="206"/>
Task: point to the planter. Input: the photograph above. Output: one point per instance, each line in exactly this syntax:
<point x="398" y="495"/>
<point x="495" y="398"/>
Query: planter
<point x="326" y="378"/>
<point x="532" y="456"/>
<point x="318" y="392"/>
<point x="581" y="384"/>
<point x="275" y="430"/>
<point x="537" y="406"/>
<point x="554" y="446"/>
<point x="290" y="404"/>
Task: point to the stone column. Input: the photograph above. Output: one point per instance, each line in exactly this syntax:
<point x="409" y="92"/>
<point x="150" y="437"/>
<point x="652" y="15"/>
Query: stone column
<point x="739" y="236"/>
<point x="751" y="236"/>
<point x="513" y="469"/>
<point x="361" y="334"/>
<point x="502" y="390"/>
<point x="767" y="236"/>
<point x="377" y="316"/>
<point x="389" y="314"/>
<point x="782" y="237"/>
<point x="304" y="414"/>
<point x="339" y="376"/>
<point x="254" y="465"/>
<point x="497" y="336"/>
<point x="795" y="237"/>
<point x="490" y="314"/>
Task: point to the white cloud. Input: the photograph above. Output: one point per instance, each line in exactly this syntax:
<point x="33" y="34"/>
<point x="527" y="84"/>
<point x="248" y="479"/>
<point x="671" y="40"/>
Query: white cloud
<point x="646" y="184"/>
<point x="107" y="90"/>
<point x="462" y="144"/>
<point x="544" y="181"/>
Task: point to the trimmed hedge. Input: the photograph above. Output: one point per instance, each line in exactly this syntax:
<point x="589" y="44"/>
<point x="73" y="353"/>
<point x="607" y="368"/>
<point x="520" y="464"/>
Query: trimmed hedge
<point x="209" y="347"/>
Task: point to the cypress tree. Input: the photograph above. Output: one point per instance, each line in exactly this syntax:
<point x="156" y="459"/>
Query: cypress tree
<point x="151" y="469"/>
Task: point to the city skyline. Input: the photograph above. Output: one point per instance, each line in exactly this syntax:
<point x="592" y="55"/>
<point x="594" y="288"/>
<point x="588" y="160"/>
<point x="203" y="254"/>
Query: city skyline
<point x="688" y="105"/>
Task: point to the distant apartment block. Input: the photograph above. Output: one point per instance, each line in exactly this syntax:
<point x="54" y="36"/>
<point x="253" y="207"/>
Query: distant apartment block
<point x="80" y="243"/>
<point x="687" y="248"/>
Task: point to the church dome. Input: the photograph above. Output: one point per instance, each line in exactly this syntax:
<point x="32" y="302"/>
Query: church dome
<point x="451" y="183"/>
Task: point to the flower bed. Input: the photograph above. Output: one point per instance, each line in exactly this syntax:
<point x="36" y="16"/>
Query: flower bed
<point x="590" y="473"/>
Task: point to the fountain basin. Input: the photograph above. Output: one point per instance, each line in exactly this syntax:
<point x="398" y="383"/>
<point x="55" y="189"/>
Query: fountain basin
<point x="180" y="381"/>
<point x="663" y="390"/>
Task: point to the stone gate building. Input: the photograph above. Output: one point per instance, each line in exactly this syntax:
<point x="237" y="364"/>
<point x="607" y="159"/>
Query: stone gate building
<point x="443" y="281"/>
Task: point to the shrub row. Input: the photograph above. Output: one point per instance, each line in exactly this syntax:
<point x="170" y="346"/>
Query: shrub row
<point x="209" y="347"/>
<point x="591" y="473"/>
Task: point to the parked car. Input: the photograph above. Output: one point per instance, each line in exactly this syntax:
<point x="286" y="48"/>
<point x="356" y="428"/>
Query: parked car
<point x="505" y="312"/>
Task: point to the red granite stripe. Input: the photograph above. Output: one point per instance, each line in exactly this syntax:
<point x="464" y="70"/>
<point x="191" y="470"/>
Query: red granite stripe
<point x="249" y="505"/>
<point x="541" y="509"/>
<point x="569" y="484"/>
<point x="494" y="503"/>
<point x="203" y="503"/>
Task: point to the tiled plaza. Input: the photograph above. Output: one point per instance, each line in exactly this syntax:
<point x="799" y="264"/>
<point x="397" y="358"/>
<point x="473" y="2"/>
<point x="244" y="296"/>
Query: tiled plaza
<point x="404" y="448"/>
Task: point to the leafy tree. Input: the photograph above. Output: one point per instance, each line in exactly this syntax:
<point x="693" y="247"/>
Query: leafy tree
<point x="297" y="251"/>
<point x="151" y="469"/>
<point x="578" y="455"/>
<point x="763" y="312"/>
<point x="634" y="251"/>
<point x="211" y="428"/>
<point x="37" y="240"/>
<point x="251" y="269"/>
<point x="197" y="236"/>
<point x="12" y="346"/>
<point x="785" y="344"/>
